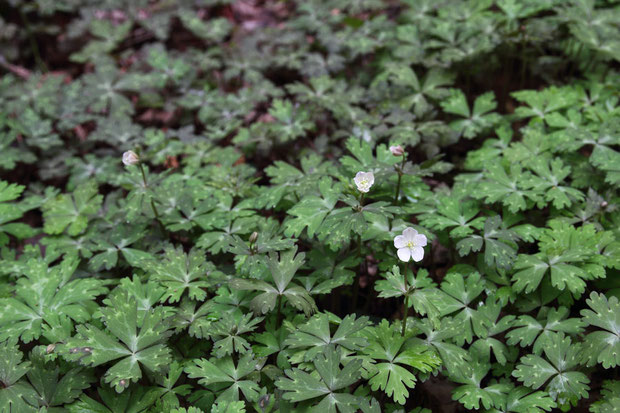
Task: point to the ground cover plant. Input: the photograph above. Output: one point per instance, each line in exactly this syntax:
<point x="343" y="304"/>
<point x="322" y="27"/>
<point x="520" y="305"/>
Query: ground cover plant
<point x="309" y="206"/>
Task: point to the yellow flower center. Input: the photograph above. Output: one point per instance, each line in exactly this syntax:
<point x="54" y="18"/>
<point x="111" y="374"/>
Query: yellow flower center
<point x="410" y="244"/>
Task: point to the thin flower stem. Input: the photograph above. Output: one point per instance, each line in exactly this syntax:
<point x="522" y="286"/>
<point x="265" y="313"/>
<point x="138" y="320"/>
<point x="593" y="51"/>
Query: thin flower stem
<point x="34" y="46"/>
<point x="405" y="302"/>
<point x="279" y="312"/>
<point x="400" y="175"/>
<point x="356" y="285"/>
<point x="152" y="203"/>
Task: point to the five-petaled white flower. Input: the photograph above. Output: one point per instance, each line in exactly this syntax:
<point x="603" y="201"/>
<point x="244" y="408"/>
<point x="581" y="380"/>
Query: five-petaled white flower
<point x="364" y="180"/>
<point x="130" y="158"/>
<point x="410" y="245"/>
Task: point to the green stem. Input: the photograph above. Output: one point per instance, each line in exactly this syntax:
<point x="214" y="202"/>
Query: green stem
<point x="152" y="203"/>
<point x="33" y="42"/>
<point x="405" y="302"/>
<point x="400" y="175"/>
<point x="279" y="312"/>
<point x="356" y="285"/>
<point x="523" y="62"/>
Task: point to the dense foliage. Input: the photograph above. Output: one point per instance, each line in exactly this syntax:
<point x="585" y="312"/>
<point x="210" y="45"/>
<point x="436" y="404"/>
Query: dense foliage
<point x="211" y="206"/>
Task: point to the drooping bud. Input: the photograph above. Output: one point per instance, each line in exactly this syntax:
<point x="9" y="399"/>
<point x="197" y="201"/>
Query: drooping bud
<point x="130" y="158"/>
<point x="397" y="150"/>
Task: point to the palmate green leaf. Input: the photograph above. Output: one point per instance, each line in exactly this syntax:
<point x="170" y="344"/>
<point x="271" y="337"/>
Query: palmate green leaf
<point x="118" y="241"/>
<point x="418" y="94"/>
<point x="312" y="209"/>
<point x="392" y="357"/>
<point x="298" y="385"/>
<point x="558" y="370"/>
<point x="291" y="122"/>
<point x="11" y="211"/>
<point x="16" y="394"/>
<point x="568" y="255"/>
<point x="108" y="36"/>
<point x="547" y="181"/>
<point x="461" y="294"/>
<point x="224" y="372"/>
<point x="610" y="398"/>
<point x="499" y="244"/>
<point x="179" y="272"/>
<point x="13" y="151"/>
<point x="523" y="400"/>
<point x="440" y="338"/>
<point x="71" y="212"/>
<point x="282" y="270"/>
<point x="343" y="223"/>
<point x="170" y="390"/>
<point x="607" y="160"/>
<point x="602" y="346"/>
<point x="56" y="387"/>
<point x="46" y="298"/>
<point x="483" y="346"/>
<point x="136" y="399"/>
<point x="490" y="150"/>
<point x="227" y="407"/>
<point x="536" y="331"/>
<point x="542" y="103"/>
<point x="227" y="332"/>
<point x="363" y="159"/>
<point x="331" y="271"/>
<point x="457" y="214"/>
<point x="508" y="188"/>
<point x="476" y="120"/>
<point x="138" y="339"/>
<point x="215" y="408"/>
<point x="419" y="287"/>
<point x="471" y="394"/>
<point x="315" y="336"/>
<point x="286" y="179"/>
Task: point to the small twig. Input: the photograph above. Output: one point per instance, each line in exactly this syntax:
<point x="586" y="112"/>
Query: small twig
<point x="17" y="70"/>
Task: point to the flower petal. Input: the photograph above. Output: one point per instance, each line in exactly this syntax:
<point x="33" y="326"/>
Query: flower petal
<point x="417" y="253"/>
<point x="400" y="241"/>
<point x="410" y="233"/>
<point x="420" y="240"/>
<point x="404" y="254"/>
<point x="371" y="178"/>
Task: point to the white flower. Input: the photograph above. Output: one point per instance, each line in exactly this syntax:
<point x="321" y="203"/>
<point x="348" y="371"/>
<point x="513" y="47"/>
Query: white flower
<point x="364" y="180"/>
<point x="397" y="150"/>
<point x="130" y="158"/>
<point x="410" y="245"/>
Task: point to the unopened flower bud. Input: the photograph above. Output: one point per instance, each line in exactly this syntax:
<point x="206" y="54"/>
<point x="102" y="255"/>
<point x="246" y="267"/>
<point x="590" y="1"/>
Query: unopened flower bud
<point x="253" y="237"/>
<point x="130" y="158"/>
<point x="397" y="150"/>
<point x="50" y="348"/>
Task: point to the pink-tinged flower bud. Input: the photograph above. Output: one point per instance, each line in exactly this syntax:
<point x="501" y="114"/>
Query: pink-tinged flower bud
<point x="130" y="158"/>
<point x="253" y="237"/>
<point x="397" y="150"/>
